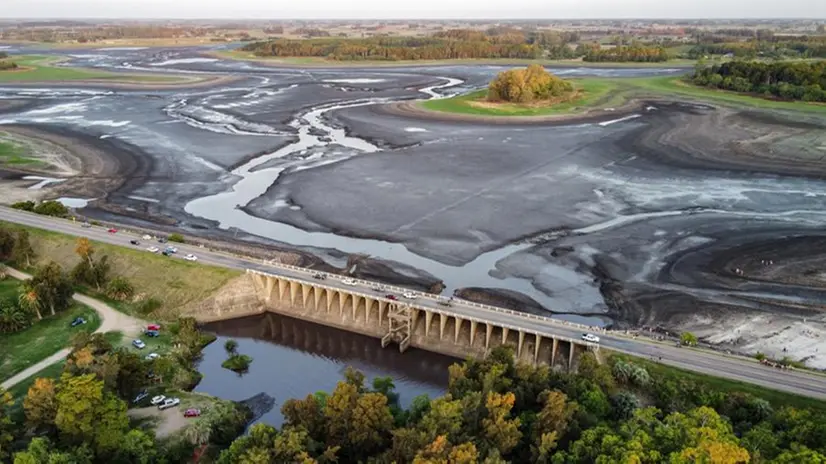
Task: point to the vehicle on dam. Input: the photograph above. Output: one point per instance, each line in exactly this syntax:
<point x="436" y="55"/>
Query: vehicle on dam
<point x="590" y="338"/>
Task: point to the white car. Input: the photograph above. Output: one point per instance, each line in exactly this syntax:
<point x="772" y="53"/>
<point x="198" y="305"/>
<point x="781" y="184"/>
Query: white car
<point x="139" y="344"/>
<point x="157" y="400"/>
<point x="191" y="257"/>
<point x="147" y="237"/>
<point x="349" y="282"/>
<point x="590" y="338"/>
<point x="152" y="356"/>
<point x="169" y="403"/>
<point x="409" y="295"/>
<point x="152" y="249"/>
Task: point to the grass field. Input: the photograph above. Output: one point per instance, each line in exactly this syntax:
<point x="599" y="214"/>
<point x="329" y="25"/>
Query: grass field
<point x="319" y="61"/>
<point x="52" y="371"/>
<point x="592" y="91"/>
<point x="173" y="282"/>
<point x="21" y="350"/>
<point x="37" y="68"/>
<point x="613" y="92"/>
<point x="12" y="154"/>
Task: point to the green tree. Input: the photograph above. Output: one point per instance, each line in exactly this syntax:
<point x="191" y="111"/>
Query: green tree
<point x="52" y="208"/>
<point x="22" y="253"/>
<point x="13" y="318"/>
<point x="51" y="286"/>
<point x="178" y="238"/>
<point x="136" y="447"/>
<point x="688" y="338"/>
<point x="120" y="289"/>
<point x="371" y="423"/>
<point x="306" y="413"/>
<point x="87" y="414"/>
<point x="256" y="447"/>
<point x="231" y="347"/>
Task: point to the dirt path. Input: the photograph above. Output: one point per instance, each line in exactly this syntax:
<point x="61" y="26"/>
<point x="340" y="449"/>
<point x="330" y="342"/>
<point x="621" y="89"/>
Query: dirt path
<point x="110" y="320"/>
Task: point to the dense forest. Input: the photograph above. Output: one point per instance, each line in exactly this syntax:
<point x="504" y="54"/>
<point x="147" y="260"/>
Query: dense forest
<point x="457" y="44"/>
<point x="800" y="47"/>
<point x="528" y="85"/>
<point x="636" y="53"/>
<point x="497" y="412"/>
<point x="786" y="80"/>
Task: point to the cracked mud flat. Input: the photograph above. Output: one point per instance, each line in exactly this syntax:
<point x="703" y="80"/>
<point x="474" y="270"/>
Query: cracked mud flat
<point x="666" y="219"/>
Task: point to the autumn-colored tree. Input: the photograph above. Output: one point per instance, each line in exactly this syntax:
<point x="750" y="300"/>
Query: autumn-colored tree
<point x="88" y="271"/>
<point x="29" y="301"/>
<point x="440" y="452"/>
<point x="40" y="404"/>
<point x="306" y="413"/>
<point x="527" y="85"/>
<point x="500" y="430"/>
<point x="7" y="427"/>
<point x="443" y="418"/>
<point x="371" y="423"/>
<point x="83" y="248"/>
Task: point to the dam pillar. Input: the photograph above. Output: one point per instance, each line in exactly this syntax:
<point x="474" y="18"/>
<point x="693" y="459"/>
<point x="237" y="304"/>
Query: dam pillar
<point x="269" y="287"/>
<point x="342" y="298"/>
<point x="305" y="294"/>
<point x="571" y="354"/>
<point x="473" y="326"/>
<point x="442" y="325"/>
<point x="554" y="348"/>
<point x="282" y="289"/>
<point x="356" y="301"/>
<point x="519" y="346"/>
<point x="382" y="305"/>
<point x="294" y="286"/>
<point x="456" y="329"/>
<point x="428" y="318"/>
<point x="504" y="335"/>
<point x="488" y="333"/>
<point x="368" y="305"/>
<point x="330" y="295"/>
<point x="536" y="349"/>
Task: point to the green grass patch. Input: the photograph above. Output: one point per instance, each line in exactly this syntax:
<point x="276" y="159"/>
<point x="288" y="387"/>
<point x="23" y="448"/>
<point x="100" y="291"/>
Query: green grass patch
<point x="592" y="91"/>
<point x="775" y="397"/>
<point x="51" y="371"/>
<point x="174" y="283"/>
<point x="21" y="350"/>
<point x="237" y="363"/>
<point x="38" y="68"/>
<point x="12" y="154"/>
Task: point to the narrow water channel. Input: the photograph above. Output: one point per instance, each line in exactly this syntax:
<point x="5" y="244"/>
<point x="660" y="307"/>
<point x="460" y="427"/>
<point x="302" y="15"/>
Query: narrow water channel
<point x="293" y="358"/>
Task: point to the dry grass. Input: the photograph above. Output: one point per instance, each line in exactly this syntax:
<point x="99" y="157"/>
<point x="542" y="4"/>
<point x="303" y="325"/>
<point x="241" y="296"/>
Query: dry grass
<point x="174" y="282"/>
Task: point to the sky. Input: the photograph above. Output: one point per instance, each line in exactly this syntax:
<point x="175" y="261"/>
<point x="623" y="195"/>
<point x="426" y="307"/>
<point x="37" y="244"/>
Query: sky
<point x="419" y="9"/>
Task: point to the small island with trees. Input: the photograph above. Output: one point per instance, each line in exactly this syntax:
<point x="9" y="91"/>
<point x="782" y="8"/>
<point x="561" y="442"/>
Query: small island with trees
<point x="6" y="64"/>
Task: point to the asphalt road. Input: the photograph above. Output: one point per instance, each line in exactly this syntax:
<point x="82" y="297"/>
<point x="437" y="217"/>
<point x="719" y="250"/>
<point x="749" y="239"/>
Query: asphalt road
<point x="703" y="361"/>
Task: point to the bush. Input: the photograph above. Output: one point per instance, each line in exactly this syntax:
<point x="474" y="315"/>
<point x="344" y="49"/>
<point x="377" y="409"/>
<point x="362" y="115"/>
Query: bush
<point x="147" y="306"/>
<point x="52" y="208"/>
<point x="24" y="205"/>
<point x="119" y="289"/>
<point x="231" y="346"/>
<point x="237" y="363"/>
<point x="177" y="238"/>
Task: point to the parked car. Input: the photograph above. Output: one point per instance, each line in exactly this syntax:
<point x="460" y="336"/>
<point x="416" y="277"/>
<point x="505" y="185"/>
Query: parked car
<point x="192" y="412"/>
<point x="152" y="333"/>
<point x="169" y="403"/>
<point x="166" y="253"/>
<point x="143" y="394"/>
<point x="152" y="356"/>
<point x="86" y="225"/>
<point x="191" y="257"/>
<point x="319" y="276"/>
<point x="409" y="295"/>
<point x="391" y="297"/>
<point x="139" y="344"/>
<point x="590" y="338"/>
<point x="157" y="400"/>
<point x="147" y="237"/>
<point x="113" y="231"/>
<point x="161" y="239"/>
<point x="444" y="302"/>
<point x="171" y="249"/>
<point x="153" y="327"/>
<point x="134" y="242"/>
<point x="376" y="289"/>
<point x="152" y="249"/>
<point x="349" y="281"/>
<point x="78" y="321"/>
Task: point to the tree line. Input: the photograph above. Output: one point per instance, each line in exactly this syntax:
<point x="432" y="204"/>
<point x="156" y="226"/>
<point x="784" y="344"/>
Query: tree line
<point x="635" y="53"/>
<point x="496" y="411"/>
<point x="527" y="85"/>
<point x="800" y="47"/>
<point x="786" y="80"/>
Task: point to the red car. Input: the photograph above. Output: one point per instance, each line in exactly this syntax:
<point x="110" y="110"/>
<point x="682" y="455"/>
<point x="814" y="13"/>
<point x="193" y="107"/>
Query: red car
<point x="113" y="231"/>
<point x="192" y="412"/>
<point x="391" y="297"/>
<point x="153" y="327"/>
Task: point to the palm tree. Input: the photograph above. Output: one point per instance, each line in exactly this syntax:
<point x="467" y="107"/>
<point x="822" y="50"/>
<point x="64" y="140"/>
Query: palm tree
<point x="198" y="433"/>
<point x="28" y="301"/>
<point x="622" y="371"/>
<point x="12" y="317"/>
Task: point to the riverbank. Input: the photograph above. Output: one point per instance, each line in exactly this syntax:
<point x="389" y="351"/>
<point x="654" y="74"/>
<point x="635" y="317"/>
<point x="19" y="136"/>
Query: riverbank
<point x="299" y="62"/>
<point x="35" y="69"/>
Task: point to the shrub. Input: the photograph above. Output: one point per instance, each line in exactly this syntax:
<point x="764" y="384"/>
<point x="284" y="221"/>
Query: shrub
<point x="177" y="238"/>
<point x="52" y="208"/>
<point x="147" y="306"/>
<point x="237" y="363"/>
<point x="231" y="346"/>
<point x="120" y="289"/>
<point x="24" y="205"/>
